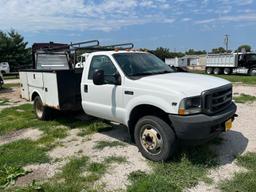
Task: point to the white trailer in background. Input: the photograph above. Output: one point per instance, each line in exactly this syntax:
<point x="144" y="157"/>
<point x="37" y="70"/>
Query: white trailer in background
<point x="4" y="67"/>
<point x="243" y="63"/>
<point x="178" y="64"/>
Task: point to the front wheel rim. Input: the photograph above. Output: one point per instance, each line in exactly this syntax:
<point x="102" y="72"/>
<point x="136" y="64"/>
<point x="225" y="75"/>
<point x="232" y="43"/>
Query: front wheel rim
<point x="151" y="140"/>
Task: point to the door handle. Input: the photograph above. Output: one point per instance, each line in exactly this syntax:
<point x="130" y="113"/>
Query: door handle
<point x="86" y="88"/>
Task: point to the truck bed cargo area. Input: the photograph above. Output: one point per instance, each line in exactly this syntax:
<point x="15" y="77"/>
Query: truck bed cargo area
<point x="60" y="88"/>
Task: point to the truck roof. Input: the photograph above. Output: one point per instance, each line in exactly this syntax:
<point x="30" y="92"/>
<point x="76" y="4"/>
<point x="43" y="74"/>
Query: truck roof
<point x="113" y="52"/>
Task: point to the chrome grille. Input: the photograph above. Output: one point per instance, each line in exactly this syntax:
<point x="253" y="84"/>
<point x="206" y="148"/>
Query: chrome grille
<point x="216" y="100"/>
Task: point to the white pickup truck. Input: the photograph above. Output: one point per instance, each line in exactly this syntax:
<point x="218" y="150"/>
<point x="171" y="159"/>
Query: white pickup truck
<point x="159" y="107"/>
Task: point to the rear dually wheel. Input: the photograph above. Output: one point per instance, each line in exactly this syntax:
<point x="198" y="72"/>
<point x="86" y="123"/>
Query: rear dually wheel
<point x="42" y="112"/>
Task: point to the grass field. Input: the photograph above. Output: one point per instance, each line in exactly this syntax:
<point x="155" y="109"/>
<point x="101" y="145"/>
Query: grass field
<point x="245" y="79"/>
<point x="10" y="85"/>
<point x="251" y="80"/>
<point x="244" y="98"/>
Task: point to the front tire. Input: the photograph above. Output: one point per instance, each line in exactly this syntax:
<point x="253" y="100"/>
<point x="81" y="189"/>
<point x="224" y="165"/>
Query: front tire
<point x="155" y="138"/>
<point x="42" y="112"/>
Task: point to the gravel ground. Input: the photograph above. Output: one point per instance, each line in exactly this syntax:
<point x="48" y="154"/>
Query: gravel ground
<point x="239" y="140"/>
<point x="32" y="134"/>
<point x="116" y="177"/>
<point x="13" y="95"/>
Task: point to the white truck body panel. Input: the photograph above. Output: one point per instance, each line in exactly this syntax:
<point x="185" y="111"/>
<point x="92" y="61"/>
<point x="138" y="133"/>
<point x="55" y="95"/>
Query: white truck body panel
<point x="221" y="60"/>
<point x="42" y="83"/>
<point x="24" y="85"/>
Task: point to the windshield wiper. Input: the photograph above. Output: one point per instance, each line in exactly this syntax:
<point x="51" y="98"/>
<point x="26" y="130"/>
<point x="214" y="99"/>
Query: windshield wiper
<point x="151" y="73"/>
<point x="162" y="72"/>
<point x="142" y="74"/>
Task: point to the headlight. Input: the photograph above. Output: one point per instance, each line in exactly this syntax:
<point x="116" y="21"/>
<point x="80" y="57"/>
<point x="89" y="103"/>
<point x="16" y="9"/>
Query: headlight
<point x="190" y="105"/>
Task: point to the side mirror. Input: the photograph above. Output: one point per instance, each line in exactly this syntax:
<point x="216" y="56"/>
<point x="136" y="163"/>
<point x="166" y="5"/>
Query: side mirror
<point x="98" y="77"/>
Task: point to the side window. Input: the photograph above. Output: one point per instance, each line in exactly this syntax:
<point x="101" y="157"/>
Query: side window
<point x="104" y="63"/>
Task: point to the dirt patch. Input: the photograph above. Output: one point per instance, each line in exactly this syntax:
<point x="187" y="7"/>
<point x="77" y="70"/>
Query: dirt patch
<point x="40" y="172"/>
<point x="116" y="177"/>
<point x="33" y="134"/>
<point x="13" y="96"/>
<point x="249" y="90"/>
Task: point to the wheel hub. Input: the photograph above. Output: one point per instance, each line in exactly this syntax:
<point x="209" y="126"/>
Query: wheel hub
<point x="151" y="140"/>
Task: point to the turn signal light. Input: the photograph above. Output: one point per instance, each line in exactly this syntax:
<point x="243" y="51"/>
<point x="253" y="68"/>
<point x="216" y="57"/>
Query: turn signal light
<point x="181" y="111"/>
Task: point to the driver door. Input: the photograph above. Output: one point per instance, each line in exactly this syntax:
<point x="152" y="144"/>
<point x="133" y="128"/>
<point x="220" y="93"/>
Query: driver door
<point x="104" y="101"/>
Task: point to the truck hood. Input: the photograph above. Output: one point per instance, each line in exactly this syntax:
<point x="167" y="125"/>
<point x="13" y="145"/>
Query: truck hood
<point x="188" y="84"/>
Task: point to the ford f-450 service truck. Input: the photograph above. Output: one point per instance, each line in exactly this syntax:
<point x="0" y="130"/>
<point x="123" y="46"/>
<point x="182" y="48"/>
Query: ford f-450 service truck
<point x="133" y="88"/>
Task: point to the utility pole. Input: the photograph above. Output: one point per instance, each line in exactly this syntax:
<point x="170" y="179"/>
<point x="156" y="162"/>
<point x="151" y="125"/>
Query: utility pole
<point x="226" y="41"/>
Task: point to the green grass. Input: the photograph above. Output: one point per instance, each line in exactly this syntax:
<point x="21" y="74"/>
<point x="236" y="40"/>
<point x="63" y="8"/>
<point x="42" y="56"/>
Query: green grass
<point x="72" y="177"/>
<point x="244" y="98"/>
<point x="22" y="152"/>
<point x="102" y="144"/>
<point x="115" y="159"/>
<point x="9" y="174"/>
<point x="245" y="79"/>
<point x="245" y="181"/>
<point x="23" y="116"/>
<point x="17" y="154"/>
<point x="4" y="101"/>
<point x="10" y="85"/>
<point x="185" y="170"/>
<point x="97" y="168"/>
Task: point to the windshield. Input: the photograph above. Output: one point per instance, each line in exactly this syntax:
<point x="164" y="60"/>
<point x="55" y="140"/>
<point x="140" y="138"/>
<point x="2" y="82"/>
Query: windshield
<point x="140" y="64"/>
<point x="251" y="57"/>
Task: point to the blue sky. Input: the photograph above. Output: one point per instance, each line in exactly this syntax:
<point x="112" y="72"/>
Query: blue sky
<point x="175" y="24"/>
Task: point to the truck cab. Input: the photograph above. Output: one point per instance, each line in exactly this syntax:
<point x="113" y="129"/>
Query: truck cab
<point x="137" y="89"/>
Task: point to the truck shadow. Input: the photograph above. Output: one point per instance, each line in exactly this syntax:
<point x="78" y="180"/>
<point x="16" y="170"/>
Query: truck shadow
<point x="230" y="145"/>
<point x="220" y="151"/>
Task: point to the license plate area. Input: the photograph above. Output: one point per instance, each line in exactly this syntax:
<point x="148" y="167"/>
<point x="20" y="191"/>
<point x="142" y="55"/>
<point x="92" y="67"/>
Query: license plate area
<point x="228" y="125"/>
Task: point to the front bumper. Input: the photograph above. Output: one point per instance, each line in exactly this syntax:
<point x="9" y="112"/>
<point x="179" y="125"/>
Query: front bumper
<point x="201" y="127"/>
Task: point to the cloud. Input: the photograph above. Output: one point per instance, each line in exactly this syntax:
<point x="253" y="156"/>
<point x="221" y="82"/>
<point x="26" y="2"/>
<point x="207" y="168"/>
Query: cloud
<point x="105" y="15"/>
<point x="108" y="15"/>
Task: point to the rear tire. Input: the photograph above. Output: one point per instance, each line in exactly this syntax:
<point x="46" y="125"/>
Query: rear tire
<point x="42" y="112"/>
<point x="216" y="71"/>
<point x="252" y="72"/>
<point x="209" y="70"/>
<point x="227" y="71"/>
<point x="155" y="138"/>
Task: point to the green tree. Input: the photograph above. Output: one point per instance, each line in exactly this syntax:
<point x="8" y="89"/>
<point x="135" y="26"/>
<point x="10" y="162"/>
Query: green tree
<point x="13" y="49"/>
<point x="163" y="53"/>
<point x="246" y="47"/>
<point x="195" y="52"/>
<point x="218" y="50"/>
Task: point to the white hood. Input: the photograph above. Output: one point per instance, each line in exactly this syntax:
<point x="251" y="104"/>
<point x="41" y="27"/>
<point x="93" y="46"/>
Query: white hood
<point x="186" y="83"/>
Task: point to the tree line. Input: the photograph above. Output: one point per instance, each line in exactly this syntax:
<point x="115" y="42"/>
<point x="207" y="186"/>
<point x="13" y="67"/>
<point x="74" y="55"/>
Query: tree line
<point x="163" y="53"/>
<point x="14" y="50"/>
